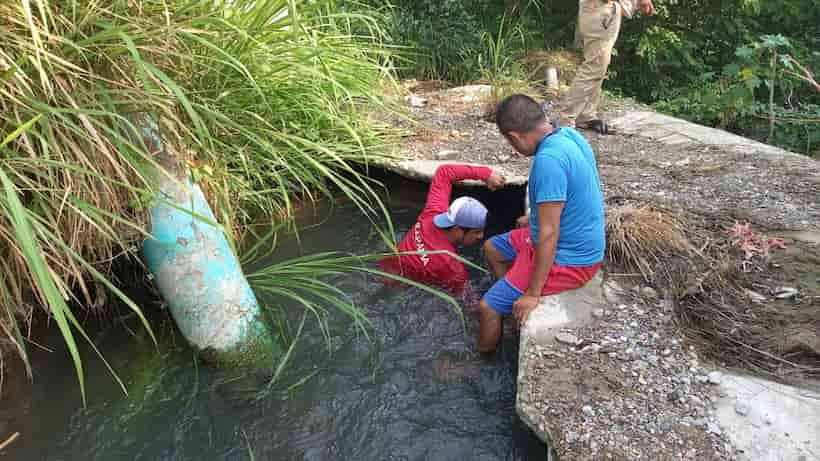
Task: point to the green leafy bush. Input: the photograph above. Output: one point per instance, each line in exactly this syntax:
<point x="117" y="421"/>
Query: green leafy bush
<point x="757" y="94"/>
<point x="447" y="39"/>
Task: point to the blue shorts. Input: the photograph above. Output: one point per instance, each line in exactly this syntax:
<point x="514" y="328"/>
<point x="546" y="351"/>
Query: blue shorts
<point x="502" y="295"/>
<point x="516" y="248"/>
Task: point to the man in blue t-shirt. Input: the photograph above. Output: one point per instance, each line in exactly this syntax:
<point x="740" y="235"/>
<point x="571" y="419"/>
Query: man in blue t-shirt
<point x="560" y="246"/>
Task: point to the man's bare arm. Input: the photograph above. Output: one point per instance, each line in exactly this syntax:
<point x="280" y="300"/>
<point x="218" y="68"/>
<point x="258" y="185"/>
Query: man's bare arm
<point x="549" y="224"/>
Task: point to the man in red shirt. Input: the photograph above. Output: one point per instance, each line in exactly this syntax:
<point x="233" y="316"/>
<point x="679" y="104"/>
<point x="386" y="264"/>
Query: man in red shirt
<point x="442" y="226"/>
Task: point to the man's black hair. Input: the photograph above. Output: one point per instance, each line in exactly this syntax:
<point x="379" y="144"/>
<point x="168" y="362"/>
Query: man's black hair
<point x="519" y="113"/>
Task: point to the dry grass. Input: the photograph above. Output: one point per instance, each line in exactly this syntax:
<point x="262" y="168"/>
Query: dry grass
<point x="639" y="238"/>
<point x="536" y="64"/>
<point x="501" y="90"/>
<point x="710" y="279"/>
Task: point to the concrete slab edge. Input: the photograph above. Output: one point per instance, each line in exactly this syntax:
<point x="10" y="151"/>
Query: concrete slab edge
<point x="423" y="170"/>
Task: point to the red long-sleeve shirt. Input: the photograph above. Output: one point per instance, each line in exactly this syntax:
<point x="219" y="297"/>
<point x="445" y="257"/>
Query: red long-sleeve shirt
<point x="424" y="237"/>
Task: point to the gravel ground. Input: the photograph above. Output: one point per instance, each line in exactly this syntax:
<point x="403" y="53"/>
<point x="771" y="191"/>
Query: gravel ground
<point x="625" y="387"/>
<point x="773" y="191"/>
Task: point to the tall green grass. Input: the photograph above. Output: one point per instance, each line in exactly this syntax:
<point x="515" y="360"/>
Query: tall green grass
<point x="265" y="101"/>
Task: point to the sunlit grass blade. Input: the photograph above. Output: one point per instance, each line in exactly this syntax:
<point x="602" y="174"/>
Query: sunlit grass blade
<point x="37" y="266"/>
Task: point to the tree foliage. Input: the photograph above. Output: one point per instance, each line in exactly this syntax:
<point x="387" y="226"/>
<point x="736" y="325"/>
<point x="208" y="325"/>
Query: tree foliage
<point x="706" y="60"/>
<point x="712" y="61"/>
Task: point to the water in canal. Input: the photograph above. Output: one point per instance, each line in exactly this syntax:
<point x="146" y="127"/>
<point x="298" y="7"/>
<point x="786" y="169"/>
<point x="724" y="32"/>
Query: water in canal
<point x="415" y="390"/>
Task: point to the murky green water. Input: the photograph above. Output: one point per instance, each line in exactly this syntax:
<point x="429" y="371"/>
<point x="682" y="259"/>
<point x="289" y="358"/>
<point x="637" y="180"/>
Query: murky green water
<point x="414" y="391"/>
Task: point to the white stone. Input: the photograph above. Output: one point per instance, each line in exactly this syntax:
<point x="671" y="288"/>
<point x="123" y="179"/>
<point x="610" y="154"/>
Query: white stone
<point x="755" y="296"/>
<point x="649" y="292"/>
<point x="471" y="93"/>
<point x="566" y="338"/>
<point x="785" y="292"/>
<point x="415" y="101"/>
<point x="715" y="377"/>
<point x="447" y="154"/>
<point x="742" y="408"/>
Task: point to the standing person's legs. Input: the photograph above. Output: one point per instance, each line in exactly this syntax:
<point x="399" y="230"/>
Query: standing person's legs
<point x="599" y="23"/>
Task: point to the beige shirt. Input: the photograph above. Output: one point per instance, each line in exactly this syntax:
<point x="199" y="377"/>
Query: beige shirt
<point x="628" y="7"/>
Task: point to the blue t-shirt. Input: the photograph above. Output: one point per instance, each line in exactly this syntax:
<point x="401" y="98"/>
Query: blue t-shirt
<point x="564" y="170"/>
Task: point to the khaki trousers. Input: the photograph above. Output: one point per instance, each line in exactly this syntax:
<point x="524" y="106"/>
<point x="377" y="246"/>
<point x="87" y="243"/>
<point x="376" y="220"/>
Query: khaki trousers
<point x="599" y="22"/>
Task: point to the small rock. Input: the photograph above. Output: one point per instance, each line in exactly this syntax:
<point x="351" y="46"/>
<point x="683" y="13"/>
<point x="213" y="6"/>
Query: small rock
<point x="447" y="154"/>
<point x="416" y="101"/>
<point x="742" y="408"/>
<point x="713" y="428"/>
<point x="649" y="292"/>
<point x="566" y="338"/>
<point x="503" y="158"/>
<point x="785" y="292"/>
<point x="598" y="313"/>
<point x="715" y="377"/>
<point x="588" y="410"/>
<point x="666" y="352"/>
<point x="571" y="437"/>
<point x="675" y="396"/>
<point x="612" y="290"/>
<point x="768" y="420"/>
<point x="755" y="296"/>
<point x="592" y="348"/>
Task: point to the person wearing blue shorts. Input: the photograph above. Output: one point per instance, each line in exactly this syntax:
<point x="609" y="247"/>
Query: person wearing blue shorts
<point x="562" y="247"/>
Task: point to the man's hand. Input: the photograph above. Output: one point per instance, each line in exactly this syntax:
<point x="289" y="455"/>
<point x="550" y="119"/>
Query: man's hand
<point x="522" y="308"/>
<point x="495" y="182"/>
<point x="523" y="221"/>
<point x="646" y="7"/>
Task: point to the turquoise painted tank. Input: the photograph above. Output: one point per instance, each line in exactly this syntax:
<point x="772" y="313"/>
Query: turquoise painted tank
<point x="197" y="272"/>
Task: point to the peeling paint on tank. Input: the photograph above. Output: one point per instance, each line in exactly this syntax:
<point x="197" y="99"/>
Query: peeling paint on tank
<point x="194" y="267"/>
<point x="200" y="278"/>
